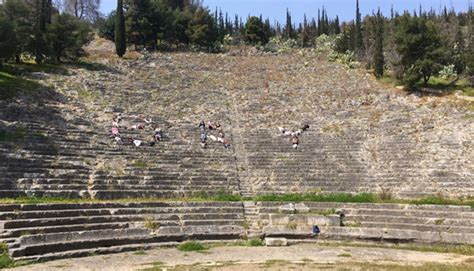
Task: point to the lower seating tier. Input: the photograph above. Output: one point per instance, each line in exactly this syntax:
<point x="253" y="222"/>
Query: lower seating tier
<point x="51" y="231"/>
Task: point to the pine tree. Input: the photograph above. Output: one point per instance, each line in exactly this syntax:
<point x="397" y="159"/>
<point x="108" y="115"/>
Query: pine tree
<point x="43" y="18"/>
<point x="120" y="38"/>
<point x="378" y="52"/>
<point x="7" y="40"/>
<point x="137" y="23"/>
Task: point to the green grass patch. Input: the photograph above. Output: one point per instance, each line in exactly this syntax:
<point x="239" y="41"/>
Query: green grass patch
<point x="439" y="200"/>
<point x="389" y="80"/>
<point x="282" y="157"/>
<point x="5" y="260"/>
<point x="140" y="253"/>
<point x="447" y="85"/>
<point x="11" y="85"/>
<point x="317" y="197"/>
<point x="255" y="242"/>
<point x="191" y="246"/>
<point x="140" y="164"/>
<point x="88" y="95"/>
<point x="17" y="134"/>
<point x="26" y="67"/>
<point x="224" y="196"/>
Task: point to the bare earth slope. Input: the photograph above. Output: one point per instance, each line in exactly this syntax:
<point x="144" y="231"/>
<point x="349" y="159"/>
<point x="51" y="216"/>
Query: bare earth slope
<point x="363" y="136"/>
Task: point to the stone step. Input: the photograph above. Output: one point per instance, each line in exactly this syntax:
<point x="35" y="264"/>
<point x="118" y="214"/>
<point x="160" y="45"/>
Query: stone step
<point x="98" y="239"/>
<point x="398" y="235"/>
<point x="456" y="228"/>
<point x="17" y="232"/>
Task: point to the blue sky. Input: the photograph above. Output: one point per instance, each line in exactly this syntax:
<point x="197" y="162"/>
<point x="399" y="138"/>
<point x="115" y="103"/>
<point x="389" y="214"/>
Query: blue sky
<point x="276" y="9"/>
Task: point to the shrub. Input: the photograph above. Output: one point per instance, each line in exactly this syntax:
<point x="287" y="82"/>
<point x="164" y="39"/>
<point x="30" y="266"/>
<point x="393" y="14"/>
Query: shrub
<point x="347" y="59"/>
<point x="278" y="45"/>
<point x="191" y="246"/>
<point x="448" y="72"/>
<point x="325" y="43"/>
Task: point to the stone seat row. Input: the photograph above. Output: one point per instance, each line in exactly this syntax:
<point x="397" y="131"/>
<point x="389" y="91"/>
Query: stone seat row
<point x="58" y="230"/>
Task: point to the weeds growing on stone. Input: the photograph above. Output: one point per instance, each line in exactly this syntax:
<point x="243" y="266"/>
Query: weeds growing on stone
<point x="151" y="224"/>
<point x="5" y="260"/>
<point x="140" y="164"/>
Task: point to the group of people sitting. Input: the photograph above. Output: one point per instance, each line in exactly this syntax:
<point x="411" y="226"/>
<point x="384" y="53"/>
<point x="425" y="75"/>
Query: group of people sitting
<point x="294" y="135"/>
<point x="212" y="127"/>
<point x="146" y="123"/>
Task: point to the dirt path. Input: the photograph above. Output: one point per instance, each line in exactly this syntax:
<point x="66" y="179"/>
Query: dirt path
<point x="306" y="256"/>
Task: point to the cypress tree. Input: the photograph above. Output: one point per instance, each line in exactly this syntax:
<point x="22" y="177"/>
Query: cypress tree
<point x="319" y="23"/>
<point x="337" y="27"/>
<point x="357" y="31"/>
<point x="378" y="52"/>
<point x="289" y="27"/>
<point x="120" y="39"/>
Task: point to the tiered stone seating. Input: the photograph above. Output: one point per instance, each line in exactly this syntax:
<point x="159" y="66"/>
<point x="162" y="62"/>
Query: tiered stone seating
<point x="50" y="231"/>
<point x="382" y="222"/>
<point x="72" y="162"/>
<point x="341" y="163"/>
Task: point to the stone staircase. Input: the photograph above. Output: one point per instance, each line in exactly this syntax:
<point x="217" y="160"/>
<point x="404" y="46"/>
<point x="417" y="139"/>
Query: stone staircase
<point x="52" y="231"/>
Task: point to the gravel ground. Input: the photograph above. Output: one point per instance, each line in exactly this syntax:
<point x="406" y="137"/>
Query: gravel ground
<point x="301" y="257"/>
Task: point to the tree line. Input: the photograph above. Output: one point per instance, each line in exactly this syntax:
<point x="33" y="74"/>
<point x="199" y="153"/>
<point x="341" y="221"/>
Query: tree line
<point x="41" y="30"/>
<point x="412" y="46"/>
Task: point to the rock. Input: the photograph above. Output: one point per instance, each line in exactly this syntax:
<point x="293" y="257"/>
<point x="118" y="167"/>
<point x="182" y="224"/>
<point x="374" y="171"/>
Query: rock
<point x="301" y="208"/>
<point x="400" y="87"/>
<point x="287" y="208"/>
<point x="276" y="242"/>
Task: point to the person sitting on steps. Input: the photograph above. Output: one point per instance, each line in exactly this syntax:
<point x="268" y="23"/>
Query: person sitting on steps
<point x="295" y="141"/>
<point x="135" y="142"/>
<point x="203" y="139"/>
<point x="151" y="140"/>
<point x="220" y="136"/>
<point x="118" y="140"/>
<point x="115" y="131"/>
<point x="158" y="133"/>
<point x="226" y="143"/>
<point x="202" y="125"/>
<point x="137" y="127"/>
<point x="210" y="125"/>
<point x="148" y="121"/>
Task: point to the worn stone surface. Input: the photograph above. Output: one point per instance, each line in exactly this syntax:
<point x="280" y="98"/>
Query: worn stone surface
<point x="276" y="242"/>
<point x="363" y="136"/>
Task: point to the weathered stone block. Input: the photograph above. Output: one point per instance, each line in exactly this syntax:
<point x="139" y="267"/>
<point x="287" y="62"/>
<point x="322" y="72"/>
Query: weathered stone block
<point x="276" y="242"/>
